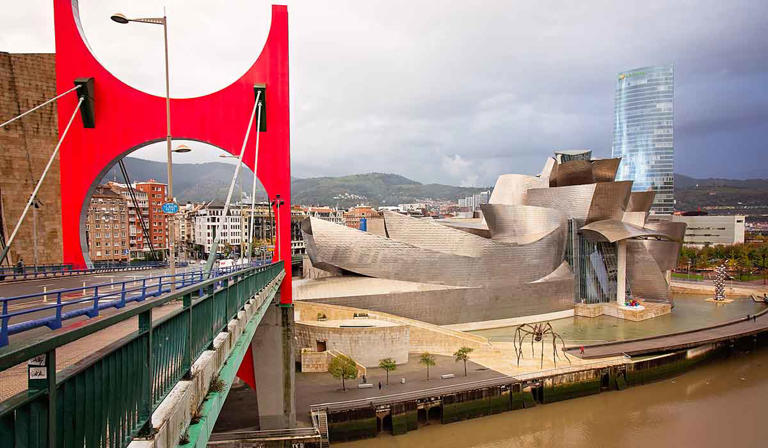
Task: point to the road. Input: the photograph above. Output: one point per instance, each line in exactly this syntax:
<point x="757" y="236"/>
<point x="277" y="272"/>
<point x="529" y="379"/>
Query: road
<point x="13" y="289"/>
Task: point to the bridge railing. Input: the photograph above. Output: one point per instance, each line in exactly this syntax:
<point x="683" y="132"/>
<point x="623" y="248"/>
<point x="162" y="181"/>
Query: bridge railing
<point x="51" y="308"/>
<point x="108" y="398"/>
<point x="66" y="270"/>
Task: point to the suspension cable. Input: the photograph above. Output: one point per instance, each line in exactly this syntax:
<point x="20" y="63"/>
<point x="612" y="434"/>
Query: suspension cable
<point x="215" y="245"/>
<point x="253" y="187"/>
<point x="39" y="106"/>
<point x="39" y="182"/>
<point x="132" y="194"/>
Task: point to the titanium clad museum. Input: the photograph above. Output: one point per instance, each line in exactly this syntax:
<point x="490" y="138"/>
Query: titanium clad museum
<point x="572" y="234"/>
<point x="643" y="132"/>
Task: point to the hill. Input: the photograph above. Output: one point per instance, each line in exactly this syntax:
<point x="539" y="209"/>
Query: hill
<point x="741" y="196"/>
<point x="208" y="181"/>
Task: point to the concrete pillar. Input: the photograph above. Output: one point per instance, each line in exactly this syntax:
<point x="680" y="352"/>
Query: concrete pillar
<point x="621" y="272"/>
<point x="274" y="370"/>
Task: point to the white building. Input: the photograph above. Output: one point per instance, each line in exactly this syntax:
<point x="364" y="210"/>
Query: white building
<point x="327" y="214"/>
<point x="228" y="228"/>
<point x="712" y="230"/>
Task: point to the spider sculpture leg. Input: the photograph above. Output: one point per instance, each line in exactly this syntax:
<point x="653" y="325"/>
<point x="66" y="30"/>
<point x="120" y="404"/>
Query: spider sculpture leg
<point x="541" y="365"/>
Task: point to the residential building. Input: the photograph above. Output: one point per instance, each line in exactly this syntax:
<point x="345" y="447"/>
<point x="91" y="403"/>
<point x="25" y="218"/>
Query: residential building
<point x="158" y="225"/>
<point x="352" y="217"/>
<point x="643" y="134"/>
<point x="709" y="230"/>
<point x="138" y="246"/>
<point x="326" y="214"/>
<point x="107" y="226"/>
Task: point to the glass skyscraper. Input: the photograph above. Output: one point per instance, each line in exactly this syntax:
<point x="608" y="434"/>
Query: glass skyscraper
<point x="643" y="132"/>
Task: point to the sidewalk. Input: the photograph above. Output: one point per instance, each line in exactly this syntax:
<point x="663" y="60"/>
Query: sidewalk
<point x="14" y="380"/>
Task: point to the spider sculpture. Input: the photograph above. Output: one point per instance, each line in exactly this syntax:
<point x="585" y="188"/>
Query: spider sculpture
<point x="537" y="332"/>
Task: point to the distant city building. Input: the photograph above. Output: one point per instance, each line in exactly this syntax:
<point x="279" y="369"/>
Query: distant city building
<point x="709" y="230"/>
<point x="475" y="201"/>
<point x="352" y="217"/>
<point x="137" y="245"/>
<point x="158" y="223"/>
<point x="107" y="226"/>
<point x="643" y="132"/>
<point x="326" y="214"/>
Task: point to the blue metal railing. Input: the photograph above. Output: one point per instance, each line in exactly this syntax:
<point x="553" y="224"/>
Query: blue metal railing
<point x="89" y="300"/>
<point x="66" y="270"/>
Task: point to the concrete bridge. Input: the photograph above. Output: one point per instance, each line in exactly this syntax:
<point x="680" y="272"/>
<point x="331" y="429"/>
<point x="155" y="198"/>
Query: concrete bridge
<point x="728" y="331"/>
<point x="155" y="372"/>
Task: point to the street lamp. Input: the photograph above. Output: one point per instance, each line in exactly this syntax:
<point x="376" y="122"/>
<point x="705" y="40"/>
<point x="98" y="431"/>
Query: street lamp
<point x="277" y="203"/>
<point x="122" y="19"/>
<point x="181" y="149"/>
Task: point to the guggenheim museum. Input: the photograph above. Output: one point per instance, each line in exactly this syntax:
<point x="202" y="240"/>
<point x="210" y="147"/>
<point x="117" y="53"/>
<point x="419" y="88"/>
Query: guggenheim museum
<point x="571" y="235"/>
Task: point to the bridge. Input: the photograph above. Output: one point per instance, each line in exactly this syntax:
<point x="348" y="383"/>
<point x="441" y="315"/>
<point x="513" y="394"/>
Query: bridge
<point x="727" y="331"/>
<point x="158" y="369"/>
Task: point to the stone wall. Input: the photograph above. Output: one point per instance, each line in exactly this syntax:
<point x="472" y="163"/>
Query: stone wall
<point x="27" y="80"/>
<point x="366" y="345"/>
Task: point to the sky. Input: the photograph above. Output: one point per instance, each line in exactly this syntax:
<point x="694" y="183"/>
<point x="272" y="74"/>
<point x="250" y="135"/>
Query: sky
<point x="451" y="92"/>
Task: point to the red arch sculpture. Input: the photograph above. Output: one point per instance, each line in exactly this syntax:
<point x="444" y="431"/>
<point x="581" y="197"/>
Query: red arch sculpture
<point x="127" y="118"/>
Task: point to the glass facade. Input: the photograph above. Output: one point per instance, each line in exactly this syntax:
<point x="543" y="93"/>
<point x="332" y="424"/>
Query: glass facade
<point x="643" y="132"/>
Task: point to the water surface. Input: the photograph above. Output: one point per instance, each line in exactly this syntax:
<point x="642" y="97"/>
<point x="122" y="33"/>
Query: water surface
<point x="721" y="404"/>
<point x="690" y="312"/>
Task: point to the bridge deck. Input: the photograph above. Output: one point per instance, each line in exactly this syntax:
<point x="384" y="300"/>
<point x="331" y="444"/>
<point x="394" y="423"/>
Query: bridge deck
<point x="677" y="341"/>
<point x="14" y="380"/>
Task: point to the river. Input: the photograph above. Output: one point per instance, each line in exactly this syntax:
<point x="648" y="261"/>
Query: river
<point x="723" y="403"/>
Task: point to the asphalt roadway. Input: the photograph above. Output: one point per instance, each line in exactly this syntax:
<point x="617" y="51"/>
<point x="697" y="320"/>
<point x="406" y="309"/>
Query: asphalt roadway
<point x="18" y="288"/>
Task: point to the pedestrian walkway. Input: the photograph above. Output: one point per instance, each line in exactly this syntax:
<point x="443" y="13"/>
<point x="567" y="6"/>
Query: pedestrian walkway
<point x="14" y="380"/>
<point x="678" y="341"/>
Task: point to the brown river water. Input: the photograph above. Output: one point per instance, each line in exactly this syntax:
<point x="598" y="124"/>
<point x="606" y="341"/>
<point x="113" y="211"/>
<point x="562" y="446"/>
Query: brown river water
<point x="723" y="403"/>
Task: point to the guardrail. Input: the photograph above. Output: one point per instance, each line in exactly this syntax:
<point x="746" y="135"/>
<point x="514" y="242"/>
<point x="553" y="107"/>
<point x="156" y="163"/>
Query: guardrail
<point x="108" y="398"/>
<point x="87" y="300"/>
<point x="33" y="272"/>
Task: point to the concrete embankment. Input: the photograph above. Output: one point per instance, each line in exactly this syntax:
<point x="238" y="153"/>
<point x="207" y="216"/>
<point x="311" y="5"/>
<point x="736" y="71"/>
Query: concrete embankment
<point x="401" y="413"/>
<point x="683" y="287"/>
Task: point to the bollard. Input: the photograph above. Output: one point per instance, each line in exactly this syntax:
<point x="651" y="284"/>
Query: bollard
<point x="45" y="295"/>
<point x="84" y="289"/>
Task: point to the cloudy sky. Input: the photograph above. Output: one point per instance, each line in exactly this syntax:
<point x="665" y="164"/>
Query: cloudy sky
<point x="452" y="91"/>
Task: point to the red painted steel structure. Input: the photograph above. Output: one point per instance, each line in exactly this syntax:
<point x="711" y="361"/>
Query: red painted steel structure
<point x="127" y="119"/>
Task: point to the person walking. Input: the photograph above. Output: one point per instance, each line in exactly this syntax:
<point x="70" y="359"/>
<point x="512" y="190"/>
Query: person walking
<point x="379" y="385"/>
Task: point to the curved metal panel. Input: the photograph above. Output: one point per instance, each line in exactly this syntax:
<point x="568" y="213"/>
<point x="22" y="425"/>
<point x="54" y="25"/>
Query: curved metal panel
<point x="427" y="234"/>
<point x="609" y="201"/>
<point x="574" y="201"/>
<point x="641" y="201"/>
<point x="673" y="230"/>
<point x="646" y="279"/>
<point x="510" y="189"/>
<point x="612" y="230"/>
<point x="473" y="226"/>
<point x="521" y="224"/>
<point x="664" y="252"/>
<point x="604" y="170"/>
<point x="575" y="172"/>
<point x="376" y="256"/>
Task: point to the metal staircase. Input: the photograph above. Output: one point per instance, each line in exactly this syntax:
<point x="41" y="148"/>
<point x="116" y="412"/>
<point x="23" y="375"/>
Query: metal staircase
<point x="320" y="421"/>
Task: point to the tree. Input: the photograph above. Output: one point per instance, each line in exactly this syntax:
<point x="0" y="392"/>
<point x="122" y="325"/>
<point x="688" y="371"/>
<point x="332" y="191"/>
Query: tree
<point x="344" y="368"/>
<point x="388" y="364"/>
<point x="462" y="354"/>
<point x="428" y="360"/>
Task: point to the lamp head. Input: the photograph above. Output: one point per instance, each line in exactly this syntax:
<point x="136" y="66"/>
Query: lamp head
<point x="182" y="149"/>
<point x="119" y="18"/>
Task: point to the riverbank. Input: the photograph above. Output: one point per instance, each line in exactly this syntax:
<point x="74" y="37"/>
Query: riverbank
<point x="403" y="414"/>
<point x="718" y="404"/>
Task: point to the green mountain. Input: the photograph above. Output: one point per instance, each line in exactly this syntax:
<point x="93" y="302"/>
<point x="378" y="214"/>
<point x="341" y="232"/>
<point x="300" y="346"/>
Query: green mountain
<point x="729" y="196"/>
<point x="209" y="181"/>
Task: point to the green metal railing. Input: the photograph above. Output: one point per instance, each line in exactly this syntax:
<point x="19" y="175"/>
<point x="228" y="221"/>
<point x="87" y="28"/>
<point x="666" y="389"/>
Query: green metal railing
<point x="108" y="398"/>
